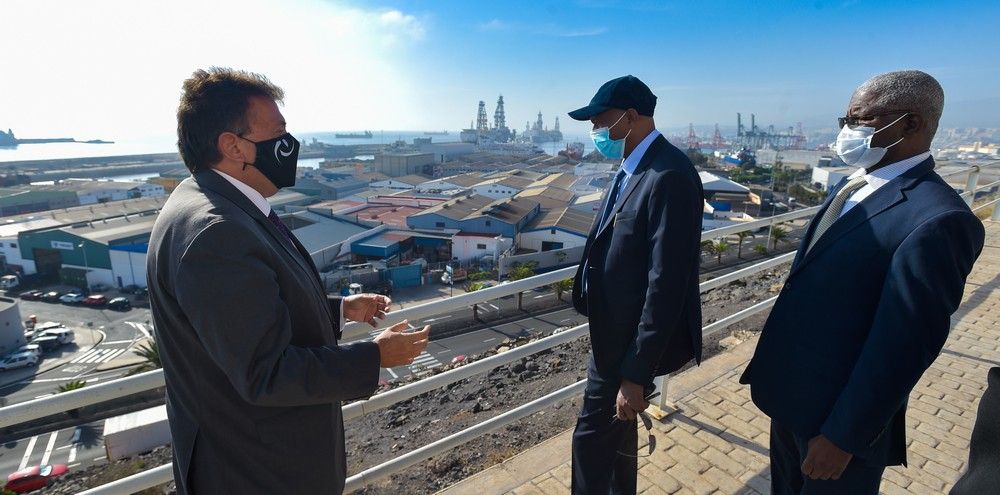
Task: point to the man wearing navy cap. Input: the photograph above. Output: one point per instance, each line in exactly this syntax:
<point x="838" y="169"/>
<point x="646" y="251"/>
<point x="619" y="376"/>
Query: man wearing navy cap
<point x="637" y="284"/>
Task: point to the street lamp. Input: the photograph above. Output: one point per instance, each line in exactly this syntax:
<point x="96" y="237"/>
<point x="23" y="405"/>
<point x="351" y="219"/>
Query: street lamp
<point x="86" y="266"/>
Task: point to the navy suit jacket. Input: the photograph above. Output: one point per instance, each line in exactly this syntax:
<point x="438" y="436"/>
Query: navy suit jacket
<point x="641" y="265"/>
<point x="865" y="313"/>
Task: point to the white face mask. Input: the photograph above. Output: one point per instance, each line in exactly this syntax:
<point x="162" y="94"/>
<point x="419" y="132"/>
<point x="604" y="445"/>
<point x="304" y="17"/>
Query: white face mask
<point x="854" y="146"/>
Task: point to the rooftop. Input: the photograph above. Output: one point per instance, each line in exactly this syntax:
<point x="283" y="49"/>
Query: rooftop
<point x="712" y="182"/>
<point x="565" y="218"/>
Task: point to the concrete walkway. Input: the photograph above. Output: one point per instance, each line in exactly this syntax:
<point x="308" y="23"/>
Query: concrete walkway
<point x="717" y="444"/>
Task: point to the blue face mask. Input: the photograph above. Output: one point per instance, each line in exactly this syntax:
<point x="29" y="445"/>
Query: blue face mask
<point x="610" y="148"/>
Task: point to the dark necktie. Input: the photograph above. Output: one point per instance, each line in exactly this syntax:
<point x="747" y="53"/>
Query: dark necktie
<point x="612" y="196"/>
<point x="608" y="208"/>
<point x="273" y="217"/>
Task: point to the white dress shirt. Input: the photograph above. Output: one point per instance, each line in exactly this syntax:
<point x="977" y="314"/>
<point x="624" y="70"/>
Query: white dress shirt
<point x="260" y="202"/>
<point x="879" y="178"/>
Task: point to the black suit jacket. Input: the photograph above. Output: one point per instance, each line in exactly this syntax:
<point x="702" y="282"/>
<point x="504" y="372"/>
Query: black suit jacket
<point x="248" y="341"/>
<point x="865" y="313"/>
<point x="641" y="266"/>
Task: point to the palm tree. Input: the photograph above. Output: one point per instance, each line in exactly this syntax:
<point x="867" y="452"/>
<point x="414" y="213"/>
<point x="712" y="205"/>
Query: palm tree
<point x="71" y="385"/>
<point x="720" y="247"/>
<point x="778" y="233"/>
<point x="760" y="249"/>
<point x="741" y="236"/>
<point x="562" y="287"/>
<point x="151" y="353"/>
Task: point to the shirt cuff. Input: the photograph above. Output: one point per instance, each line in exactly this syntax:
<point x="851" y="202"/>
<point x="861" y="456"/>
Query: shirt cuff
<point x="343" y="321"/>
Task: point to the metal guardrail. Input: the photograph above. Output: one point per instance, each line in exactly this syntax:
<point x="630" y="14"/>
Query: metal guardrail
<point x="75" y="399"/>
<point x="163" y="474"/>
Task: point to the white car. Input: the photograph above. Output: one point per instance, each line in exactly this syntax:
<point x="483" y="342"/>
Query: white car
<point x="29" y="349"/>
<point x="72" y="298"/>
<point x="21" y="360"/>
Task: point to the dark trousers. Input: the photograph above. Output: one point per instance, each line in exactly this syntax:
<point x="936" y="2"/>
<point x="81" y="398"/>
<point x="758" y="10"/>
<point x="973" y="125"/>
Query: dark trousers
<point x="597" y="439"/>
<point x="788" y="452"/>
<point x="983" y="473"/>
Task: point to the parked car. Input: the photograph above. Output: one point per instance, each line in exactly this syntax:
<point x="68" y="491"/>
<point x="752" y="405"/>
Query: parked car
<point x="46" y="342"/>
<point x="8" y="282"/>
<point x="65" y="335"/>
<point x="120" y="304"/>
<point x="21" y="360"/>
<point x="52" y="296"/>
<point x="34" y="478"/>
<point x="96" y="300"/>
<point x="72" y="298"/>
<point x="31" y="295"/>
<point x="29" y="349"/>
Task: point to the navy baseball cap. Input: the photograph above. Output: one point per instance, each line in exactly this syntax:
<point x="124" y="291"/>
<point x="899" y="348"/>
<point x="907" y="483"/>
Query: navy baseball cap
<point x="622" y="93"/>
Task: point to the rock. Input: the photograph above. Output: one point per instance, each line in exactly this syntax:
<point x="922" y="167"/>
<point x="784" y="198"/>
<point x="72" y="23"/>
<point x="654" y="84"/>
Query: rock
<point x="531" y="366"/>
<point x="502" y="349"/>
<point x="518" y="368"/>
<point x="730" y="342"/>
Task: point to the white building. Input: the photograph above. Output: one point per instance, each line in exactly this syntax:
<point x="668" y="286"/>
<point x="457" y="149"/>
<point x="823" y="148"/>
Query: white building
<point x="404" y="183"/>
<point x="474" y="247"/>
<point x="562" y="228"/>
<point x="828" y="177"/>
<point x="11" y="326"/>
<point x="128" y="264"/>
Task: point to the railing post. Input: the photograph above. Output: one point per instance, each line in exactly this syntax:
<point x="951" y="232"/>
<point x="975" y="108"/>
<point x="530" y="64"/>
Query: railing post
<point x="970" y="185"/>
<point x="996" y="213"/>
<point x="661" y="407"/>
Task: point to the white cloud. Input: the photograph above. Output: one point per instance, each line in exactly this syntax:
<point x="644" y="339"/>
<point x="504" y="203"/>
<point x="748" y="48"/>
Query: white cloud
<point x="494" y="25"/>
<point x="114" y="69"/>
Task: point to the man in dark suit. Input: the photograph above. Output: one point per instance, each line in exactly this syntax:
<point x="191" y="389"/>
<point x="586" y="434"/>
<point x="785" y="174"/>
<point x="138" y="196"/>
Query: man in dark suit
<point x="637" y="284"/>
<point x="246" y="332"/>
<point x="867" y="304"/>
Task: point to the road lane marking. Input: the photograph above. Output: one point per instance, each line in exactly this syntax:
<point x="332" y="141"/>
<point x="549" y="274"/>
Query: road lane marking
<point x="439" y="318"/>
<point x="27" y="453"/>
<point x="394" y="375"/>
<point x="49" y="447"/>
<point x="113" y="355"/>
<point x="129" y="341"/>
<point x="490" y="340"/>
<point x="85" y="355"/>
<point x="72" y="454"/>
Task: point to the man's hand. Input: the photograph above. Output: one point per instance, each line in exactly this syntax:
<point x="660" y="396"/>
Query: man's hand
<point x="397" y="348"/>
<point x="631" y="400"/>
<point x="366" y="308"/>
<point x="824" y="460"/>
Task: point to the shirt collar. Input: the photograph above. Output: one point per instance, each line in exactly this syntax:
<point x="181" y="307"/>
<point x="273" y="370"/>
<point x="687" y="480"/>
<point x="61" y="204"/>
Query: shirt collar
<point x="883" y="175"/>
<point x="255" y="197"/>
<point x="631" y="163"/>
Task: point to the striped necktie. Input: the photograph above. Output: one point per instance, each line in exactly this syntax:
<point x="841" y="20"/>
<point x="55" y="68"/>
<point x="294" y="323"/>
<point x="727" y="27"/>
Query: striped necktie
<point x="836" y="206"/>
<point x="273" y="217"/>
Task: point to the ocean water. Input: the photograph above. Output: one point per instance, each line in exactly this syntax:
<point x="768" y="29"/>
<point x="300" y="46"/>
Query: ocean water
<point x="167" y="144"/>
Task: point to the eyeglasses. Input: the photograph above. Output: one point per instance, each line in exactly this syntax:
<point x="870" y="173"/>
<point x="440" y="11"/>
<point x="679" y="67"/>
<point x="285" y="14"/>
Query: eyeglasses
<point x="854" y="121"/>
<point x="648" y="423"/>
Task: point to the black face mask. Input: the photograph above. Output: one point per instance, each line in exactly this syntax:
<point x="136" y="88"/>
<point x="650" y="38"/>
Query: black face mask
<point x="277" y="159"/>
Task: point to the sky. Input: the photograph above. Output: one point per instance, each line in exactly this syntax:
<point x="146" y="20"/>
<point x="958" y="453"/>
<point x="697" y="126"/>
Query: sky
<point x="113" y="69"/>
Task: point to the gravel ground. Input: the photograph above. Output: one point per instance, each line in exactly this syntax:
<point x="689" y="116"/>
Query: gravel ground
<point x="383" y="435"/>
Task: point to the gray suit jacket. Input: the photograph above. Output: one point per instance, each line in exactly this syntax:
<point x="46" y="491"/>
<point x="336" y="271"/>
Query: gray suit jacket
<point x="248" y="341"/>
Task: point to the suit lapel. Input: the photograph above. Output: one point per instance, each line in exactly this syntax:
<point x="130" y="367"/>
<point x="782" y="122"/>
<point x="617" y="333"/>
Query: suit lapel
<point x="633" y="182"/>
<point x="881" y="200"/>
<point x="212" y="181"/>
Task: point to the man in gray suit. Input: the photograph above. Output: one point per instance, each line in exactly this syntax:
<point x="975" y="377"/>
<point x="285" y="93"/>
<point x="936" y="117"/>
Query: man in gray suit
<point x="246" y="332"/>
